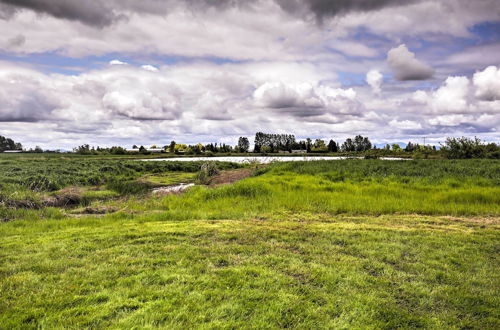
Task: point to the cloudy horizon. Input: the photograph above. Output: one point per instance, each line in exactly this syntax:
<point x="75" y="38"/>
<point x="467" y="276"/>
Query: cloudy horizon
<point x="111" y="72"/>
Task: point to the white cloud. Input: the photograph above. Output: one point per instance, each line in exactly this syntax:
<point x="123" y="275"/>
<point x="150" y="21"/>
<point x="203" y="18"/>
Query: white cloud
<point x="306" y="100"/>
<point x="450" y="120"/>
<point x="150" y="68"/>
<point x="405" y="66"/>
<point x="374" y="78"/>
<point x="487" y="83"/>
<point x="452" y="96"/>
<point x="116" y="62"/>
<point x="405" y="124"/>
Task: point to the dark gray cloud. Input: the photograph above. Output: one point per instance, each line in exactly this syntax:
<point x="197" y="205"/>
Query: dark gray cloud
<point x="27" y="107"/>
<point x="406" y="66"/>
<point x="327" y="8"/>
<point x="89" y="12"/>
<point x="101" y="13"/>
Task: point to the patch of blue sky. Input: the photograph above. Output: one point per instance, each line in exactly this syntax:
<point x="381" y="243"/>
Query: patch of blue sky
<point x="349" y="79"/>
<point x="53" y="62"/>
<point x="487" y="32"/>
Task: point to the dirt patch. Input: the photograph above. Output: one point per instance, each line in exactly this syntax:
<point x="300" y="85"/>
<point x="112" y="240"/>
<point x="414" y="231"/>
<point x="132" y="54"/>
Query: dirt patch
<point x="70" y="196"/>
<point x="228" y="177"/>
<point x="22" y="204"/>
<point x="484" y="220"/>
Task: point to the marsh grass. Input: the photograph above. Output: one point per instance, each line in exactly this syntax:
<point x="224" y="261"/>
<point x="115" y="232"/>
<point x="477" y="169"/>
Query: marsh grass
<point x="346" y="187"/>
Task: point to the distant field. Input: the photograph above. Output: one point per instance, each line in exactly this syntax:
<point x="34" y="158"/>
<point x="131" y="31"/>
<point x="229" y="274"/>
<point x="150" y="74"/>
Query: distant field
<point x="324" y="244"/>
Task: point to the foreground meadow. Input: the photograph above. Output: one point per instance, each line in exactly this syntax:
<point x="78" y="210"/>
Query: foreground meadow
<point x="327" y="244"/>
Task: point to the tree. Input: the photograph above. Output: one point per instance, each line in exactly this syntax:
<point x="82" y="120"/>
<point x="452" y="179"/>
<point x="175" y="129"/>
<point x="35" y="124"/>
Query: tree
<point x="275" y="142"/>
<point x="9" y="144"/>
<point x="84" y="149"/>
<point x="396" y="147"/>
<point x="463" y="148"/>
<point x="117" y="151"/>
<point x="319" y="146"/>
<point x="362" y="143"/>
<point x="348" y="145"/>
<point x="243" y="144"/>
<point x="308" y="144"/>
<point x="410" y="147"/>
<point x="332" y="146"/>
<point x="180" y="148"/>
<point x="359" y="143"/>
<point x="135" y="146"/>
<point x="171" y="147"/>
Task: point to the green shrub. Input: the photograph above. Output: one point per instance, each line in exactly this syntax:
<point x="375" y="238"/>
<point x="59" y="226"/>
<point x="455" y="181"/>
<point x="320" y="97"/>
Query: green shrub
<point x="207" y="171"/>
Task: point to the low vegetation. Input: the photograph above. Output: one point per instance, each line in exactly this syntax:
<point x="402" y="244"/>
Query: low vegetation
<point x="32" y="182"/>
<point x="324" y="244"/>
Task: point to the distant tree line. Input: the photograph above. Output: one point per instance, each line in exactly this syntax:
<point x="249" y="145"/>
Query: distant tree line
<point x="9" y="144"/>
<point x="453" y="148"/>
<point x="86" y="149"/>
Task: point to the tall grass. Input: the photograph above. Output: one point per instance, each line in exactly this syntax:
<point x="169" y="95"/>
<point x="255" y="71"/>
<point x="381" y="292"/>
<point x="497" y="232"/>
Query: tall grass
<point x="352" y="187"/>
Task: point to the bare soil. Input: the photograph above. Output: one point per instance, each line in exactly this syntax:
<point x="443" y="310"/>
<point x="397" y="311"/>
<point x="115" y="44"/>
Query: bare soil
<point x="70" y="196"/>
<point x="228" y="177"/>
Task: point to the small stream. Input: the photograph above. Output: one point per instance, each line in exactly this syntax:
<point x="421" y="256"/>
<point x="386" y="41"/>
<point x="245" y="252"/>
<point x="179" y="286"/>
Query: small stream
<point x="175" y="188"/>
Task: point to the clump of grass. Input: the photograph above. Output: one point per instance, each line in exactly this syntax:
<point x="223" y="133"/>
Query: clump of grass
<point x="129" y="187"/>
<point x="207" y="171"/>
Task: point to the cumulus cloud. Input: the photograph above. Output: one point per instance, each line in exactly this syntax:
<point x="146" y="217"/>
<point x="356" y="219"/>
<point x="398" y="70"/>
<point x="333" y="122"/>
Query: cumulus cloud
<point x="452" y="96"/>
<point x="374" y="78"/>
<point x="487" y="83"/>
<point x="405" y="124"/>
<point x="406" y="66"/>
<point x="450" y="120"/>
<point x="306" y="100"/>
<point x="141" y="104"/>
<point x="24" y="97"/>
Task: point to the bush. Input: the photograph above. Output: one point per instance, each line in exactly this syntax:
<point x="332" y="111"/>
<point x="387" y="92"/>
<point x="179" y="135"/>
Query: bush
<point x="207" y="171"/>
<point x="462" y="148"/>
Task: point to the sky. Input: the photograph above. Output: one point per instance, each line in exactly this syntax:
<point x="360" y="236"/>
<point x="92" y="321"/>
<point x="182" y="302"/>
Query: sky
<point x="124" y="72"/>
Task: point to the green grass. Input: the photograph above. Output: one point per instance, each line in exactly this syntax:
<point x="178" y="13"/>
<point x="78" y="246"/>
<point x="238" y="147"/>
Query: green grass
<point x="27" y="180"/>
<point x="327" y="244"/>
<point x="356" y="187"/>
<point x="169" y="178"/>
<point x="302" y="271"/>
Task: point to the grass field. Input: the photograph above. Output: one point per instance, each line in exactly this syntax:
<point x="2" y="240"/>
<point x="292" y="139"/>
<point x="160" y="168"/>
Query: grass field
<point x="327" y="244"/>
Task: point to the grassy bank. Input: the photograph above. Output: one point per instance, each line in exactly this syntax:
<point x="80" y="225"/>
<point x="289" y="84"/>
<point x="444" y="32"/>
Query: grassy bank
<point x="344" y="187"/>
